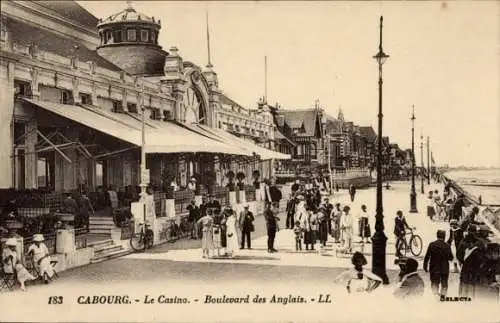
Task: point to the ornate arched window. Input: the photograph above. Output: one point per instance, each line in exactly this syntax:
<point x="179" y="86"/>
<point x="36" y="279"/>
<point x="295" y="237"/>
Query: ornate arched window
<point x="193" y="108"/>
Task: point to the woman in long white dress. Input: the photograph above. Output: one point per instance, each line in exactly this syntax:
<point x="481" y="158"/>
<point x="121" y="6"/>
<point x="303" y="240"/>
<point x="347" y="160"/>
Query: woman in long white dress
<point x="12" y="263"/>
<point x="347" y="227"/>
<point x="231" y="235"/>
<point x="207" y="241"/>
<point x="40" y="253"/>
<point x="301" y="214"/>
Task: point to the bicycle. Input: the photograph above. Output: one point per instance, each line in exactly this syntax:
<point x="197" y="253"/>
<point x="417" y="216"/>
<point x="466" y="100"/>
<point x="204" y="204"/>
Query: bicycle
<point x="143" y="239"/>
<point x="413" y="243"/>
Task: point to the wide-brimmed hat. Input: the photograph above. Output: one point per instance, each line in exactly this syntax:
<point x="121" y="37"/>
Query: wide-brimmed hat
<point x="12" y="242"/>
<point x="246" y="206"/>
<point x="38" y="237"/>
<point x="193" y="179"/>
<point x="300" y="197"/>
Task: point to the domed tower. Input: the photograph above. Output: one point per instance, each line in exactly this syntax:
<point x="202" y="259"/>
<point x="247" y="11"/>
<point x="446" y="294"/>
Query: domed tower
<point x="129" y="39"/>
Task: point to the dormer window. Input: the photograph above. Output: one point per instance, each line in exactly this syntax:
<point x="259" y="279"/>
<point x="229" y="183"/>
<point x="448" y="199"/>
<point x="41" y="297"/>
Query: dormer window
<point x="117" y="106"/>
<point x="145" y="35"/>
<point x="132" y="107"/>
<point x="155" y="114"/>
<point x="153" y="37"/>
<point x="86" y="98"/>
<point x="66" y="97"/>
<point x="22" y="88"/>
<point x="131" y="35"/>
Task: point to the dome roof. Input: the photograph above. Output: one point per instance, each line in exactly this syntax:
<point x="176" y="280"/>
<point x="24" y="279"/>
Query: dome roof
<point x="129" y="15"/>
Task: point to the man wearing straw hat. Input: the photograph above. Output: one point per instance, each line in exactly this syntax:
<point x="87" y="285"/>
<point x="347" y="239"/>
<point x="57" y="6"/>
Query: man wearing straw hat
<point x="11" y="262"/>
<point x="41" y="258"/>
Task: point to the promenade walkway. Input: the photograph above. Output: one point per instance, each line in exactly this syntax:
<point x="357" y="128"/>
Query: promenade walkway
<point x="396" y="198"/>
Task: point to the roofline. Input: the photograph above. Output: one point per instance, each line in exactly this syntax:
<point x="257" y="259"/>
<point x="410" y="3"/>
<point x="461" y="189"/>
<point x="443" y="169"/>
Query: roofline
<point x="24" y="10"/>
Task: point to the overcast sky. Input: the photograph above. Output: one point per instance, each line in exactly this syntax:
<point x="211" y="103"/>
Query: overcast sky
<point x="444" y="60"/>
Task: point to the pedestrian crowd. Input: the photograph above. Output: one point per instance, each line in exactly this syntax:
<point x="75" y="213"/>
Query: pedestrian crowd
<point x="468" y="248"/>
<point x="313" y="219"/>
<point x="222" y="230"/>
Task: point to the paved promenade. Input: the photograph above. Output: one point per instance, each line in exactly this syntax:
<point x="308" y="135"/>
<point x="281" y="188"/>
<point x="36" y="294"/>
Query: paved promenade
<point x="396" y="198"/>
<point x="184" y="274"/>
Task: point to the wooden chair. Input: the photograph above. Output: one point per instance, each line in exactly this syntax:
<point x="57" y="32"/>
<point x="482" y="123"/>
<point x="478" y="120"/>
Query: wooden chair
<point x="8" y="281"/>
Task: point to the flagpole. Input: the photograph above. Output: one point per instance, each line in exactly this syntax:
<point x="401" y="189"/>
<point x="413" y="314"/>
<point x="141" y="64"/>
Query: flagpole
<point x="265" y="79"/>
<point x="209" y="65"/>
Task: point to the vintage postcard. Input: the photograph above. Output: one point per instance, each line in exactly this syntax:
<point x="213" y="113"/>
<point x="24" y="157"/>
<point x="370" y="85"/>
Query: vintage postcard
<point x="250" y="161"/>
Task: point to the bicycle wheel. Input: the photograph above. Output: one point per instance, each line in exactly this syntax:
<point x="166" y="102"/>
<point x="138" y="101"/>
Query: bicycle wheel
<point x="149" y="239"/>
<point x="416" y="245"/>
<point x="137" y="242"/>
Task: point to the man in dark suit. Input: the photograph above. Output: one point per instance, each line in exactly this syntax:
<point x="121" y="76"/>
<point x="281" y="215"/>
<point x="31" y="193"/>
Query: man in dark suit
<point x="274" y="192"/>
<point x="439" y="256"/>
<point x="290" y="212"/>
<point x="245" y="223"/>
<point x="194" y="215"/>
<point x="328" y="212"/>
<point x="400" y="226"/>
<point x="411" y="285"/>
<point x="272" y="227"/>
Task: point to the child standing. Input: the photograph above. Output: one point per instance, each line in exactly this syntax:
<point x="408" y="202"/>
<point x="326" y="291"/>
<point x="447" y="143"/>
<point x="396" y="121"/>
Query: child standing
<point x="297" y="230"/>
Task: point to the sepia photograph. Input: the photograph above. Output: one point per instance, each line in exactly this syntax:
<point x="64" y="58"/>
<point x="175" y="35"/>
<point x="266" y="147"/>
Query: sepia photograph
<point x="250" y="161"/>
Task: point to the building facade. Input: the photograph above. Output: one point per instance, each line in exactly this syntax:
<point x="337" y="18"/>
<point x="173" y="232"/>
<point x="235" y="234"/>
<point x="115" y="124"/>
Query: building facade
<point x="304" y="128"/>
<point x="74" y="90"/>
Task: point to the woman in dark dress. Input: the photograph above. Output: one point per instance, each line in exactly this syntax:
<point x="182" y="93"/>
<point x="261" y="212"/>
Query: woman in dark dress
<point x="220" y="220"/>
<point x="323" y="226"/>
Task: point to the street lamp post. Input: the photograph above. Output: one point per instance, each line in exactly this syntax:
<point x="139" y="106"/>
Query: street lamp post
<point x="329" y="164"/>
<point x="144" y="180"/>
<point x="422" y="164"/>
<point x="428" y="164"/>
<point x="413" y="194"/>
<point x="379" y="239"/>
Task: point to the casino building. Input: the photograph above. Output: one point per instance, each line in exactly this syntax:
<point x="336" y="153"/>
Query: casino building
<point x="74" y="90"/>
